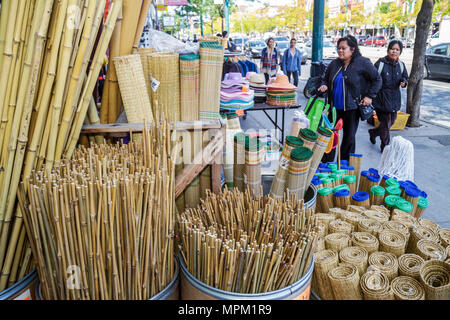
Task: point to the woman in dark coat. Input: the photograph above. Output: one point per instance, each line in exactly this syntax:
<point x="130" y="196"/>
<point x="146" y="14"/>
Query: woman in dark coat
<point x="349" y="80"/>
<point x="388" y="100"/>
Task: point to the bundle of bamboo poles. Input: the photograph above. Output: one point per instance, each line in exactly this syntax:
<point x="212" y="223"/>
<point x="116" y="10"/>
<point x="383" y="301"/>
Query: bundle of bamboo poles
<point x="45" y="94"/>
<point x="125" y="40"/>
<point x="109" y="214"/>
<point x="242" y="244"/>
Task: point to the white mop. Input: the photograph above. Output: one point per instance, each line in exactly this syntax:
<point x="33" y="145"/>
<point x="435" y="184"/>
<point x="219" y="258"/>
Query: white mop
<point x="397" y="159"/>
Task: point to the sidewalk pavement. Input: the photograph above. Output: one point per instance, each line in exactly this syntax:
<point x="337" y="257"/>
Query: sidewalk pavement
<point x="431" y="157"/>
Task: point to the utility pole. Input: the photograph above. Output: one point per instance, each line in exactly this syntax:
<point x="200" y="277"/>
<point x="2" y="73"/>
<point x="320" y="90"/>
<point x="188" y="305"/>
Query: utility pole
<point x="317" y="39"/>
<point x="226" y="13"/>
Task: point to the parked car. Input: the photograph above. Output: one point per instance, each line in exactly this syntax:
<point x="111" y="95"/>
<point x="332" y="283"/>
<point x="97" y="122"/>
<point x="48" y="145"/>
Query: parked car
<point x="281" y="38"/>
<point x="361" y="39"/>
<point x="329" y="50"/>
<point x="407" y="43"/>
<point x="240" y="43"/>
<point x="375" y="41"/>
<point x="301" y="47"/>
<point x="437" y="61"/>
<point x="254" y="47"/>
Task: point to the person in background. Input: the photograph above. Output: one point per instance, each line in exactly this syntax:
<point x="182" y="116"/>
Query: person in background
<point x="350" y="80"/>
<point x="388" y="100"/>
<point x="269" y="60"/>
<point x="292" y="62"/>
<point x="195" y="38"/>
<point x="231" y="45"/>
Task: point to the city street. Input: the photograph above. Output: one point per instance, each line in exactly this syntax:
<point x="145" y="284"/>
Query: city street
<point x="431" y="141"/>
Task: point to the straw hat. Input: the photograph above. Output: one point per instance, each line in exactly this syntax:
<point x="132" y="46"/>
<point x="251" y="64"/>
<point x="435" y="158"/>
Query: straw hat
<point x="249" y="75"/>
<point x="234" y="78"/>
<point x="282" y="82"/>
<point x="257" y="80"/>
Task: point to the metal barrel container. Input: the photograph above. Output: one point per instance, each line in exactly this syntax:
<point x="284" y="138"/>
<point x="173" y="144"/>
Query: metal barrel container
<point x="171" y="292"/>
<point x="23" y="289"/>
<point x="194" y="289"/>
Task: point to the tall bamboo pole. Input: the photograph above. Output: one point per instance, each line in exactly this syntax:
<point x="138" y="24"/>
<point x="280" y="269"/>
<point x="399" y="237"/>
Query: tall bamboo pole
<point x="27" y="88"/>
<point x="141" y="22"/>
<point x="92" y="78"/>
<point x="7" y="53"/>
<point x="3" y="26"/>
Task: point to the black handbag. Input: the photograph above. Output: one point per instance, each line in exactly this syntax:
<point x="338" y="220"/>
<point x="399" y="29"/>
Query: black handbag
<point x="365" y="112"/>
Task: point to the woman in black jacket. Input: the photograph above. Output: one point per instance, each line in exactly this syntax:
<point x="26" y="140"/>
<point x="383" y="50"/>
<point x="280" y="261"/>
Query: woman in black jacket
<point x="388" y="99"/>
<point x="350" y="80"/>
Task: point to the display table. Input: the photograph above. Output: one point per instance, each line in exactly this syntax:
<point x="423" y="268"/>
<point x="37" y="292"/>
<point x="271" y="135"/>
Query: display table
<point x="266" y="107"/>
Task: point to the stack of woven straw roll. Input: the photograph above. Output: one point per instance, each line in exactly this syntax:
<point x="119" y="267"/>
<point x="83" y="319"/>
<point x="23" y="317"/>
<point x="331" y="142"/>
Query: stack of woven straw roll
<point x="371" y="254"/>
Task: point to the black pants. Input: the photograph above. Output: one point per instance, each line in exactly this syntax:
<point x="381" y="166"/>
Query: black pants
<point x="295" y="75"/>
<point x="348" y="143"/>
<point x="386" y="119"/>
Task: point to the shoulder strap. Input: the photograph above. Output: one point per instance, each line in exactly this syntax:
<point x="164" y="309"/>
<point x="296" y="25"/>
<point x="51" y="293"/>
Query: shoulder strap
<point x="402" y="66"/>
<point x="380" y="67"/>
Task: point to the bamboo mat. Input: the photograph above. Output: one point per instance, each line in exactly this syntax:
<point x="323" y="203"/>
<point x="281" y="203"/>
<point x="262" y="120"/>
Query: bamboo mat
<point x="164" y="68"/>
<point x="143" y="53"/>
<point x="132" y="88"/>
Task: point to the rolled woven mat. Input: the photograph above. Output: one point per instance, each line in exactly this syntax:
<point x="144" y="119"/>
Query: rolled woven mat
<point x="321" y="229"/>
<point x="375" y="286"/>
<point x="337" y="241"/>
<point x="351" y="182"/>
<point x="324" y="261"/>
<point x="376" y="215"/>
<point x="371" y="226"/>
<point x="429" y="224"/>
<point x="280" y="179"/>
<point x="339" y="225"/>
<point x="353" y="218"/>
<point x="341" y="198"/>
<point x="309" y="138"/>
<point x="324" y="200"/>
<point x="407" y="288"/>
<point x="253" y="158"/>
<point x="397" y="226"/>
<point x="344" y="280"/>
<point x="325" y="219"/>
<point x="409" y="265"/>
<point x="435" y="279"/>
<point x="406" y="219"/>
<point x="355" y="161"/>
<point x="143" y="53"/>
<point x="380" y="208"/>
<point x="323" y="137"/>
<point x="357" y="256"/>
<point x="419" y="233"/>
<point x="422" y="205"/>
<point x="320" y="245"/>
<point x="357" y="209"/>
<point x="377" y="195"/>
<point x="165" y="68"/>
<point x="361" y="198"/>
<point x="385" y="263"/>
<point x="337" y="211"/>
<point x="392" y="241"/>
<point x="447" y="251"/>
<point x="211" y="65"/>
<point x="365" y="240"/>
<point x="444" y="236"/>
<point x="429" y="250"/>
<point x="239" y="161"/>
<point x="298" y="171"/>
<point x="132" y="88"/>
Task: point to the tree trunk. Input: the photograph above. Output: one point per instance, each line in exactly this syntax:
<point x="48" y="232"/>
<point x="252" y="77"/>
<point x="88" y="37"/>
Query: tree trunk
<point x="415" y="83"/>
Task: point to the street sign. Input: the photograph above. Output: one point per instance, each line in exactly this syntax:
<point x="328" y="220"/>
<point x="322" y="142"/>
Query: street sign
<point x="175" y="2"/>
<point x="168" y="21"/>
<point x="161" y="7"/>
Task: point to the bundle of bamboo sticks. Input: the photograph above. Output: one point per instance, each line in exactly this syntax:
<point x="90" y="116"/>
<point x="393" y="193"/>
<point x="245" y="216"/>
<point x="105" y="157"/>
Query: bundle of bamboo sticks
<point x="108" y="216"/>
<point x="46" y="49"/>
<point x="242" y="244"/>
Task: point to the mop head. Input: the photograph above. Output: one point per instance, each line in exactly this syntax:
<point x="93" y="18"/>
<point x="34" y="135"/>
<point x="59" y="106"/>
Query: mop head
<point x="397" y="159"/>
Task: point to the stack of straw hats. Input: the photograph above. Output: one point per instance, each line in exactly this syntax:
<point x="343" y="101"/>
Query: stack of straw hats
<point x="234" y="92"/>
<point x="280" y="92"/>
<point x="257" y="84"/>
